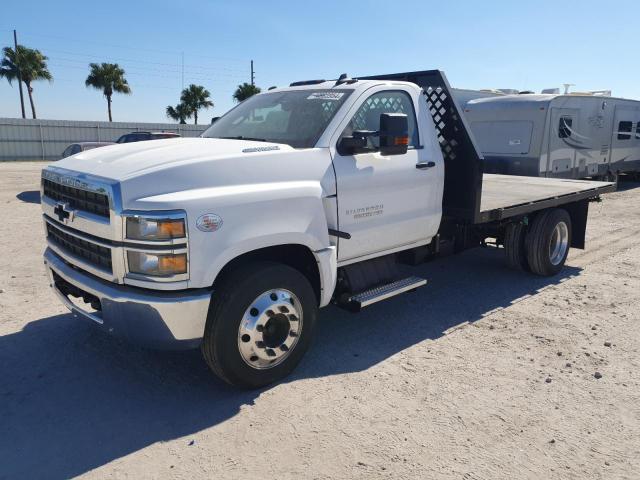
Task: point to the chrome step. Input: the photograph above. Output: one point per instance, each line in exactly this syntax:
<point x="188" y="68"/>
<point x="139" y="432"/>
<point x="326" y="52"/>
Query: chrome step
<point x="383" y="292"/>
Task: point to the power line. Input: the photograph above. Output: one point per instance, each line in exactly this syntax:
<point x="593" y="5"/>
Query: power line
<point x="128" y="47"/>
<point x="221" y="83"/>
<point x="121" y="59"/>
<point x="74" y="63"/>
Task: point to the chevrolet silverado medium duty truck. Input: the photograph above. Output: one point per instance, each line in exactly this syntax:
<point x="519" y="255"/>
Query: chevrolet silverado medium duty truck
<point x="297" y="198"/>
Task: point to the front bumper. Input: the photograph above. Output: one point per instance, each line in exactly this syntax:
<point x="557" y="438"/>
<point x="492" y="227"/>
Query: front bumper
<point x="156" y="319"/>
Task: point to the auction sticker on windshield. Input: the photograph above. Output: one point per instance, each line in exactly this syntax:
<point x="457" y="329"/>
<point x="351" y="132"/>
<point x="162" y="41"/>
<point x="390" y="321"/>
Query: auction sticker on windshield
<point x="325" y="96"/>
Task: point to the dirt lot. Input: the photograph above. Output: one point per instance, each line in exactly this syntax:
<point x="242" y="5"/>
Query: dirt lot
<point x="483" y="374"/>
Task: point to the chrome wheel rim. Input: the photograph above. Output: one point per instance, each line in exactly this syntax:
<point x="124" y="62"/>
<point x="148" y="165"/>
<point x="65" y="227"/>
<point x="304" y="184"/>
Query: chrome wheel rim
<point x="559" y="243"/>
<point x="270" y="329"/>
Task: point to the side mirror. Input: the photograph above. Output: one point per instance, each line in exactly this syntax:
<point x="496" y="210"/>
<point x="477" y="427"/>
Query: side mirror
<point x="394" y="133"/>
<point x="352" y="144"/>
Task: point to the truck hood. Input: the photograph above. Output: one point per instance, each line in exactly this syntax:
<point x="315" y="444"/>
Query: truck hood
<point x="124" y="161"/>
<point x="162" y="174"/>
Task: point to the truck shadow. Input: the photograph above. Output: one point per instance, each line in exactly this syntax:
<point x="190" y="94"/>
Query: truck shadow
<point x="463" y="288"/>
<point x="73" y="399"/>
<point x="29" y="196"/>
<point x="625" y="184"/>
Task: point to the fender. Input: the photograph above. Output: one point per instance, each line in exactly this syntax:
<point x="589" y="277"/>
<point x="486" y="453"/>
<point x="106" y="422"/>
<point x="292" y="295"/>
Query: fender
<point x="255" y="217"/>
<point x="326" y="259"/>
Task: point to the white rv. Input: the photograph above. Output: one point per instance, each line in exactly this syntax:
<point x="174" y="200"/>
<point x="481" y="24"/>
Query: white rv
<point x="551" y="135"/>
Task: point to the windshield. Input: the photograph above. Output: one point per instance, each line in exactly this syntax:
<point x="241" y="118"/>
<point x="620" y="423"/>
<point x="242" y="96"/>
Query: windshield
<point x="296" y="118"/>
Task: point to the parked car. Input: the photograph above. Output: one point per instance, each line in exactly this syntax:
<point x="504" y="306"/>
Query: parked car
<point x="82" y="146"/>
<point x="142" y="136"/>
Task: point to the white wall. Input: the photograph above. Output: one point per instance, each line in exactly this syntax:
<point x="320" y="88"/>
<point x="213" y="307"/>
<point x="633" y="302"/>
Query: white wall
<point x="24" y="139"/>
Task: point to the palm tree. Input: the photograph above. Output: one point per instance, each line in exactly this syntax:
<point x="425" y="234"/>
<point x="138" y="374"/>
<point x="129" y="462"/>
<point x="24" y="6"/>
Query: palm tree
<point x="196" y="97"/>
<point x="108" y="77"/>
<point x="179" y="113"/>
<point x="245" y="91"/>
<point x="32" y="64"/>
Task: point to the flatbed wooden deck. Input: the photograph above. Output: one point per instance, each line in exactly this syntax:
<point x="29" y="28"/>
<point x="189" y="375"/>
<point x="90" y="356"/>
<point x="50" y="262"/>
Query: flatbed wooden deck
<point x="505" y="196"/>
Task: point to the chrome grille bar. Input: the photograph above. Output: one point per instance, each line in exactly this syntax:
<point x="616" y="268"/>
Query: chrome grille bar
<point x="77" y="198"/>
<point x="93" y="253"/>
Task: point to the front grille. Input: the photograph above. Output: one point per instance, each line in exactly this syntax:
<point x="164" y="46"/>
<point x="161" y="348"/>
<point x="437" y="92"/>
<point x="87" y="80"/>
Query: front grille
<point x="77" y="198"/>
<point x="95" y="254"/>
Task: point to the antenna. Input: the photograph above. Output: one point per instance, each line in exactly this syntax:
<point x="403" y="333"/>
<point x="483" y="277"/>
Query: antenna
<point x="567" y="86"/>
<point x="344" y="78"/>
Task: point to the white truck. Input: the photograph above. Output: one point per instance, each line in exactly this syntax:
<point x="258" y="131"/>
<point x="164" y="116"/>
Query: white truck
<point x="297" y="198"/>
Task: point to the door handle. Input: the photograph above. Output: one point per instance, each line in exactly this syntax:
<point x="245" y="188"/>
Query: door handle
<point x="425" y="165"/>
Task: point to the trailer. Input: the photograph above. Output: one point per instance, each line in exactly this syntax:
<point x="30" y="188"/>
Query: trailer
<point x="561" y="136"/>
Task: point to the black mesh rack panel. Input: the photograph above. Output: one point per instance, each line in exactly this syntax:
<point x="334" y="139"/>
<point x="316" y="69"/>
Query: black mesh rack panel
<point x="463" y="163"/>
<point x="77" y="198"/>
<point x="94" y="254"/>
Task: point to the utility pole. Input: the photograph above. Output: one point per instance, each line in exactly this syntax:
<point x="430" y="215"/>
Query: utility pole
<point x="15" y="43"/>
<point x="253" y="76"/>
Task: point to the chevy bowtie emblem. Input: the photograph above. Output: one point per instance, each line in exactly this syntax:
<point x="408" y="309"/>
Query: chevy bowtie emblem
<point x="63" y="212"/>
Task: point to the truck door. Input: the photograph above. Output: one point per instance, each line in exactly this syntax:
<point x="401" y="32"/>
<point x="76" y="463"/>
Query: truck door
<point x="563" y="141"/>
<point x="385" y="202"/>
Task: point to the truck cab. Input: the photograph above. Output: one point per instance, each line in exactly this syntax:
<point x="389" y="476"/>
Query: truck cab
<point x="296" y="198"/>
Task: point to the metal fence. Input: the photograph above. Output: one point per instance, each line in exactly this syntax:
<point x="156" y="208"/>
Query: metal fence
<point x="24" y="139"/>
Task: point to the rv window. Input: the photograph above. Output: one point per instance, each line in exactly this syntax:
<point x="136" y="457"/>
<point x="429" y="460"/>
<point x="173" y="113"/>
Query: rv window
<point x="564" y="128"/>
<point x="638" y="130"/>
<point x="623" y="128"/>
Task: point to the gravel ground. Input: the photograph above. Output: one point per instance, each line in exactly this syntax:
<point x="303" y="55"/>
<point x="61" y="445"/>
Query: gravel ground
<point x="485" y="373"/>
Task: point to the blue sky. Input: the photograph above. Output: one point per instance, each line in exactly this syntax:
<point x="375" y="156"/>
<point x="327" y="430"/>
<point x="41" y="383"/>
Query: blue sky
<point x="499" y="44"/>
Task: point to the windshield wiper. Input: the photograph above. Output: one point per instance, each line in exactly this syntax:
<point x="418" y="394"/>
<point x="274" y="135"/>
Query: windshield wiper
<point x="240" y="137"/>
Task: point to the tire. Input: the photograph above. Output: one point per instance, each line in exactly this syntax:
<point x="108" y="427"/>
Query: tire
<point x="246" y="332"/>
<point x="549" y="229"/>
<point x="514" y="246"/>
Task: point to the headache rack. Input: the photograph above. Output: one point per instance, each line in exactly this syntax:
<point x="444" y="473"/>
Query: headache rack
<point x="462" y="161"/>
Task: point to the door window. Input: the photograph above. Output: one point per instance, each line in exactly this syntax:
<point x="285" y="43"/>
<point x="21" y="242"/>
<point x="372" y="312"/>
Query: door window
<point x="624" y="130"/>
<point x="368" y="116"/>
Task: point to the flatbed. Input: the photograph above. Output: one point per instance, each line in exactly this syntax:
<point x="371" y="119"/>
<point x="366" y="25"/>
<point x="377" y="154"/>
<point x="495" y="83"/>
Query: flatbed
<point x="505" y="196"/>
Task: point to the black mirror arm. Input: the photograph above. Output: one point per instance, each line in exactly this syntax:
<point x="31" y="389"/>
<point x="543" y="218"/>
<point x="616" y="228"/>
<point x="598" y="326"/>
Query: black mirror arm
<point x="365" y="133"/>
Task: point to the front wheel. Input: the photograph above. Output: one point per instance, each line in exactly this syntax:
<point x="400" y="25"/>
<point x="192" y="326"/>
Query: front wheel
<point x="260" y="324"/>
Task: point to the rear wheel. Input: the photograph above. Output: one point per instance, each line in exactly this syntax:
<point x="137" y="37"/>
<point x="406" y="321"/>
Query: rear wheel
<point x="548" y="242"/>
<point x="514" y="245"/>
<point x="259" y="325"/>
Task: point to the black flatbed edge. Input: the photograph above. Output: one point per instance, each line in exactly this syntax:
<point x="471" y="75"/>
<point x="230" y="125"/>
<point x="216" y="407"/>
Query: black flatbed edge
<point x="505" y="196"/>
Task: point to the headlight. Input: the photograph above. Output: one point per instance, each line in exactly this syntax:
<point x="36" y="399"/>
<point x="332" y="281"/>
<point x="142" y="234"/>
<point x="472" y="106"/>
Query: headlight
<point x="140" y="228"/>
<point x="158" y="265"/>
